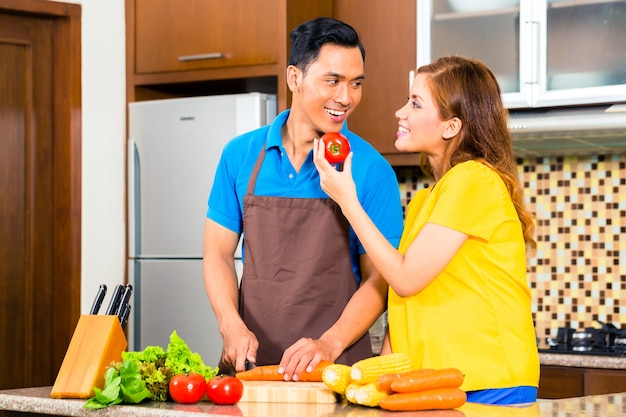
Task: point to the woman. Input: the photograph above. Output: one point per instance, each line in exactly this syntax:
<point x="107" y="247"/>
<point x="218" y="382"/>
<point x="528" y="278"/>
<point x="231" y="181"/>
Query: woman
<point x="458" y="294"/>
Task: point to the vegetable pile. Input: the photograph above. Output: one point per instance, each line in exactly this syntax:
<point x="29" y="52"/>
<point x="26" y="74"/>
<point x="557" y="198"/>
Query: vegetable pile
<point x="388" y="382"/>
<point x="146" y="375"/>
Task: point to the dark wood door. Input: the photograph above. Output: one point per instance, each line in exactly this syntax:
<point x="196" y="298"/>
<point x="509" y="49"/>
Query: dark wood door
<point x="40" y="183"/>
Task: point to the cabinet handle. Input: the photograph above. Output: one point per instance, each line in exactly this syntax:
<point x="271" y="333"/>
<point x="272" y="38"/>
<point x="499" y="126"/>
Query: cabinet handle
<point x="200" y="57"/>
<point x="533" y="64"/>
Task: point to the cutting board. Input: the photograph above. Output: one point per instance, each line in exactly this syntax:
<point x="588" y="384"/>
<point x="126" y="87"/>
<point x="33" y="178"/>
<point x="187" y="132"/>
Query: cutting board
<point x="287" y="392"/>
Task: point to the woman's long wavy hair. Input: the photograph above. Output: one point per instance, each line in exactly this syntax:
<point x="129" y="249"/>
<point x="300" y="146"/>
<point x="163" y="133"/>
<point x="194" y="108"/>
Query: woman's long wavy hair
<point x="466" y="88"/>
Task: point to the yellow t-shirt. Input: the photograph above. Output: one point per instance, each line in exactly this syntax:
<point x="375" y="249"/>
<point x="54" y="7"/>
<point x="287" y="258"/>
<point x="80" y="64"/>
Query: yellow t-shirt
<point x="476" y="315"/>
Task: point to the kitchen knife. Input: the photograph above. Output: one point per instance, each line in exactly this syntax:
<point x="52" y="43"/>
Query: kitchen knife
<point x="97" y="302"/>
<point x="125" y="315"/>
<point x="124" y="301"/>
<point x="115" y="300"/>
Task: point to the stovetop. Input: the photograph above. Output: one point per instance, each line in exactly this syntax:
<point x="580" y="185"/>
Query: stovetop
<point x="606" y="340"/>
<point x="594" y="351"/>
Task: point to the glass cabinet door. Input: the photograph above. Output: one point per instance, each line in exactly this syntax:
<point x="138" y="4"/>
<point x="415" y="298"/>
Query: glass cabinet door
<point x="583" y="52"/>
<point x="543" y="52"/>
<point x="488" y="30"/>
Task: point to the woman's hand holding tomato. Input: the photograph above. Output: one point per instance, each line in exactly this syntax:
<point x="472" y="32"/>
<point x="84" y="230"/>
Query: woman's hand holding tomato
<point x="339" y="185"/>
<point x="337" y="147"/>
<point x="187" y="388"/>
<point x="223" y="389"/>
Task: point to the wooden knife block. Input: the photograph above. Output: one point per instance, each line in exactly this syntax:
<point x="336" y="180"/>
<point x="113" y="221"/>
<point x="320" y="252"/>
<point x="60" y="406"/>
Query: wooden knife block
<point x="97" y="341"/>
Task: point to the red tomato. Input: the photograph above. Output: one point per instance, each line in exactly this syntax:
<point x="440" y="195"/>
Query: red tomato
<point x="224" y="389"/>
<point x="337" y="147"/>
<point x="187" y="389"/>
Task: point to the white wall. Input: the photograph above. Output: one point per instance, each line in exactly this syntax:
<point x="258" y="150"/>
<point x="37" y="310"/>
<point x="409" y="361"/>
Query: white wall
<point x="104" y="145"/>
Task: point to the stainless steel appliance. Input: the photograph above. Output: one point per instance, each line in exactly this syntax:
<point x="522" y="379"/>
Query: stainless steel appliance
<point x="174" y="149"/>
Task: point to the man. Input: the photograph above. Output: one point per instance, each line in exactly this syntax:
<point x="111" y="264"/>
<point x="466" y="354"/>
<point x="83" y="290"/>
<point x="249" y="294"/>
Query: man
<point x="308" y="291"/>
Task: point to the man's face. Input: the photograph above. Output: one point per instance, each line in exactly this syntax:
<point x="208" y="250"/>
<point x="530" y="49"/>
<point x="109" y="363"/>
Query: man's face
<point x="331" y="88"/>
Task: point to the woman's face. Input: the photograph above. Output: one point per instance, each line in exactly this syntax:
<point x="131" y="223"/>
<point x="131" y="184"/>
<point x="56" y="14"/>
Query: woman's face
<point x="420" y="127"/>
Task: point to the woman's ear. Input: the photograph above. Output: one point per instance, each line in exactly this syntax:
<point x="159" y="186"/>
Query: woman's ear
<point x="453" y="127"/>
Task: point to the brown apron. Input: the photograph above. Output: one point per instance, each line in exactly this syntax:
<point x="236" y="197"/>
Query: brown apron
<point x="297" y="275"/>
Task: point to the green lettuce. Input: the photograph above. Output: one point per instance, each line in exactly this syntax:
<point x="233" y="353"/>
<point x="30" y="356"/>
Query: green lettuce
<point x="146" y="374"/>
<point x="181" y="360"/>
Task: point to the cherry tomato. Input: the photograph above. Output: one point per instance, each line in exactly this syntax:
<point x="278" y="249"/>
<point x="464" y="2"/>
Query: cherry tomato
<point x="224" y="389"/>
<point x="187" y="389"/>
<point x="337" y="147"/>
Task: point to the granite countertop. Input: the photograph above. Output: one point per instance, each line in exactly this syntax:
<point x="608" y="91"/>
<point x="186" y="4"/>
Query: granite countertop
<point x="583" y="361"/>
<point x="37" y="400"/>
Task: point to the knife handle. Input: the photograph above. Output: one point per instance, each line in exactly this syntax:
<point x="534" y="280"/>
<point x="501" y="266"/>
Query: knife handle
<point x="124" y="316"/>
<point x="124" y="301"/>
<point x="97" y="302"/>
<point x="115" y="300"/>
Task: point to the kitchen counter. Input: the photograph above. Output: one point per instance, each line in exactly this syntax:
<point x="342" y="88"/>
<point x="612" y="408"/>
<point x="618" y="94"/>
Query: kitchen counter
<point x="37" y="400"/>
<point x="583" y="361"/>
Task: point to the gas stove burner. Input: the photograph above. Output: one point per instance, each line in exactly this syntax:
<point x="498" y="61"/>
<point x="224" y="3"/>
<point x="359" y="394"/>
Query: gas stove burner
<point x="620" y="341"/>
<point x="582" y="341"/>
<point x="606" y="340"/>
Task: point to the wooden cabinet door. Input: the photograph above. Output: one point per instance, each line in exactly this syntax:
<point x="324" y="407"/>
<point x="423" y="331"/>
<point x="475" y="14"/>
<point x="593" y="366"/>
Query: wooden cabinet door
<point x="560" y="382"/>
<point x="604" y="381"/>
<point x="178" y="35"/>
<point x="387" y="30"/>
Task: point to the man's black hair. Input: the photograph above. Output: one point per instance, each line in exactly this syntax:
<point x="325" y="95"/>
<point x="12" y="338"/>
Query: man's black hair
<point x="308" y="38"/>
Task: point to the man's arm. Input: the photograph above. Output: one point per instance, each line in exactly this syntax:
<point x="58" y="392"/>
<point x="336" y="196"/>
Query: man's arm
<point x="220" y="281"/>
<point x="365" y="306"/>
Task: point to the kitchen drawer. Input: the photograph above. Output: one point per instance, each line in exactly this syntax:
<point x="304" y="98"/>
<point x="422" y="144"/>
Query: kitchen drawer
<point x="604" y="381"/>
<point x="182" y="35"/>
<point x="561" y="382"/>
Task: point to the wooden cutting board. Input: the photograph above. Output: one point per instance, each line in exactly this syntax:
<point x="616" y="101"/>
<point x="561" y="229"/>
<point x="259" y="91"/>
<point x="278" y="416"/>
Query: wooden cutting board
<point x="287" y="392"/>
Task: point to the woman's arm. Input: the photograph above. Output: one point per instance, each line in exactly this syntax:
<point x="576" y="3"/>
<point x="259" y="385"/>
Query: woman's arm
<point x="426" y="257"/>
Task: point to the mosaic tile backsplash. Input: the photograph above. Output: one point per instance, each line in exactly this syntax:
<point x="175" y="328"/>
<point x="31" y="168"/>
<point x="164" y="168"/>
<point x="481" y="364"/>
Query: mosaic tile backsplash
<point x="578" y="274"/>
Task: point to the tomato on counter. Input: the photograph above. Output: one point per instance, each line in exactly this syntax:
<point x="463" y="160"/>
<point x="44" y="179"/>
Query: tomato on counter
<point x="223" y="389"/>
<point x="187" y="388"/>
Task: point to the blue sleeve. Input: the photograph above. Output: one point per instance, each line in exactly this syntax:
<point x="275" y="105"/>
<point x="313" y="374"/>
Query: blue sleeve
<point x="380" y="198"/>
<point x="224" y="207"/>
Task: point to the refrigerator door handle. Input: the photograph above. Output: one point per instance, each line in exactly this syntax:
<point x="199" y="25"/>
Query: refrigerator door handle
<point x="134" y="199"/>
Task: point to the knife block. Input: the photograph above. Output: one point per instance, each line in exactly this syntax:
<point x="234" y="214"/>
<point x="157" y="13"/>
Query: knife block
<point x="98" y="340"/>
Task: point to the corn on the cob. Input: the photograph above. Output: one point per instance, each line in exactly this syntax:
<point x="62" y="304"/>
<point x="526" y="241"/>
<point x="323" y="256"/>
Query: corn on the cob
<point x="368" y="370"/>
<point x="351" y="392"/>
<point x="337" y="377"/>
<point x="364" y="394"/>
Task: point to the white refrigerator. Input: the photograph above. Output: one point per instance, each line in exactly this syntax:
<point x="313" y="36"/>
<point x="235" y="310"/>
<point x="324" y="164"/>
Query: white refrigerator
<point x="174" y="149"/>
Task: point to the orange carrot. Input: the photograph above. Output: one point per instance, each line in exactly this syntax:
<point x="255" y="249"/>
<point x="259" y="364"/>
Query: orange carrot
<point x="384" y="381"/>
<point x="440" y="378"/>
<point x="434" y="399"/>
<point x="424" y="413"/>
<point x="270" y="373"/>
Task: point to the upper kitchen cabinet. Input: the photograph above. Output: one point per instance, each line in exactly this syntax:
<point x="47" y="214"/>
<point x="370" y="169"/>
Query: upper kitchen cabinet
<point x="191" y="47"/>
<point x="544" y="53"/>
<point x="387" y="31"/>
<point x="171" y="35"/>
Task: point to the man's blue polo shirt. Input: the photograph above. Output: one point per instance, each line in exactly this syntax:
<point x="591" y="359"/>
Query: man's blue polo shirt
<point x="376" y="182"/>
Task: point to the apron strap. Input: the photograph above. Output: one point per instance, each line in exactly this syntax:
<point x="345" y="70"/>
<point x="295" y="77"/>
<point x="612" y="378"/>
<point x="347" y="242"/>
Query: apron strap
<point x="255" y="171"/>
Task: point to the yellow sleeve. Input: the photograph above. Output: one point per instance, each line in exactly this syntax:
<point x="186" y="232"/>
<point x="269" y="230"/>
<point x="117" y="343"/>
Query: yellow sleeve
<point x="472" y="199"/>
